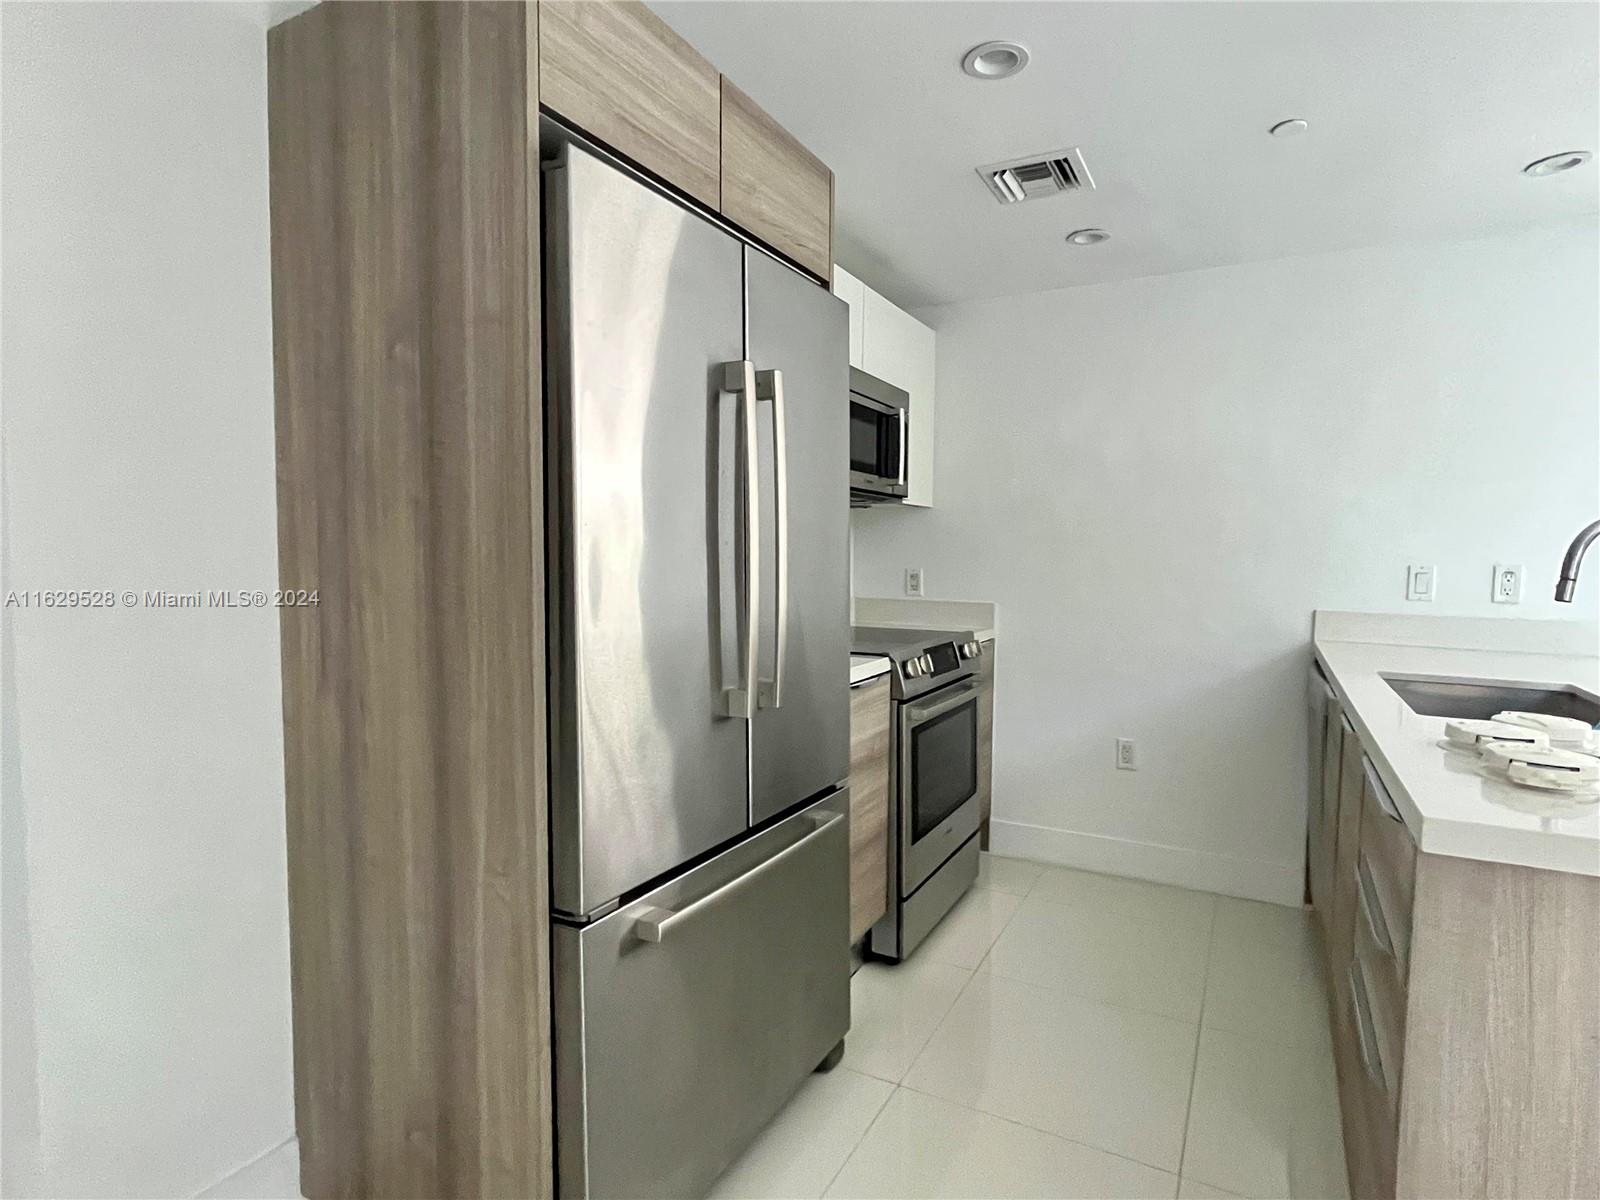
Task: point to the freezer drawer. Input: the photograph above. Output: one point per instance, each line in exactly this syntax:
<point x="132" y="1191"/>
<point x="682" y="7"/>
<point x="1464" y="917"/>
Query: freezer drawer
<point x="685" y="1019"/>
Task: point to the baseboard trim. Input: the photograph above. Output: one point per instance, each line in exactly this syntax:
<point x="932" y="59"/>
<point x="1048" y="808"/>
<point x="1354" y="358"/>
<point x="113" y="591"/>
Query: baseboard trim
<point x="1248" y="878"/>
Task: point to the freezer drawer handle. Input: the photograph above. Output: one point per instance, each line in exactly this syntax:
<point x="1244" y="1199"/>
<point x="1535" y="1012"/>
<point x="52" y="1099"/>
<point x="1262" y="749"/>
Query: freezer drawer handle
<point x="654" y="924"/>
<point x="739" y="379"/>
<point x="769" y="387"/>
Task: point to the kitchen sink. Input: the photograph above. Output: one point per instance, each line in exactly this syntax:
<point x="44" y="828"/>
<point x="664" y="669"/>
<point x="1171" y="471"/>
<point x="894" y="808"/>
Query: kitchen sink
<point x="1440" y="697"/>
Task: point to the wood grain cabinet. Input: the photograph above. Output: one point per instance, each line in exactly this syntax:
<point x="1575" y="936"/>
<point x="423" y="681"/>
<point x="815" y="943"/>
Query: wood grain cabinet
<point x="405" y="309"/>
<point x="869" y="805"/>
<point x="773" y="186"/>
<point x="1322" y="811"/>
<point x="1464" y="1013"/>
<point x="622" y="75"/>
<point x="1339" y="921"/>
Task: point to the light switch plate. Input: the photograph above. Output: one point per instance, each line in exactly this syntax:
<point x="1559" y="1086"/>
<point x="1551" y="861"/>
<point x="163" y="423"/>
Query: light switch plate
<point x="1506" y="587"/>
<point x="1421" y="581"/>
<point x="913" y="581"/>
<point x="1127" y="755"/>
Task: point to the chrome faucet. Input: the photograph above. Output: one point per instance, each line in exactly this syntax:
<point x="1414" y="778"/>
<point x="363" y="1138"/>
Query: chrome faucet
<point x="1573" y="562"/>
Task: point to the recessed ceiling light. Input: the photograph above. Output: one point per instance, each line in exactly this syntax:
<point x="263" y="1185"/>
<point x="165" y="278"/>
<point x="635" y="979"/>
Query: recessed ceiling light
<point x="995" y="60"/>
<point x="1293" y="127"/>
<point x="1557" y="163"/>
<point x="1087" y="237"/>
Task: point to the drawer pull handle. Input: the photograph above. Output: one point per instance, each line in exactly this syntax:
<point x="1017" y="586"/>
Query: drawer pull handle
<point x="654" y="924"/>
<point x="1372" y="906"/>
<point x="1385" y="801"/>
<point x="1366" y="1035"/>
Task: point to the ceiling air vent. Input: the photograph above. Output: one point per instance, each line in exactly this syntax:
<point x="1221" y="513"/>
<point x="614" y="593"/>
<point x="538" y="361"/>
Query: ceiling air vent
<point x="1037" y="176"/>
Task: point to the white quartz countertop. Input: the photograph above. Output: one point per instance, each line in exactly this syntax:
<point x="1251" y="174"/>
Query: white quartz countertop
<point x="979" y="616"/>
<point x="867" y="666"/>
<point x="1448" y="806"/>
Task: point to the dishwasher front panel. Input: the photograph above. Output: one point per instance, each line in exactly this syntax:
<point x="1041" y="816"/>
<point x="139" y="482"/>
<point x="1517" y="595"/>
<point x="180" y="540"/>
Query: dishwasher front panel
<point x="685" y="1019"/>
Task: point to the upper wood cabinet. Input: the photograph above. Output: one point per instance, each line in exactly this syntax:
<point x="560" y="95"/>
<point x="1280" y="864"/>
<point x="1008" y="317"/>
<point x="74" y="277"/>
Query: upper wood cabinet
<point x="773" y="186"/>
<point x="618" y="72"/>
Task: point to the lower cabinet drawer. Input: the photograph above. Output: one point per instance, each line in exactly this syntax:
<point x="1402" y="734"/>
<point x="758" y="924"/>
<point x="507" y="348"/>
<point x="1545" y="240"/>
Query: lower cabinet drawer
<point x="1367" y="1096"/>
<point x="1389" y="863"/>
<point x="1385" y="980"/>
<point x="1352" y="1095"/>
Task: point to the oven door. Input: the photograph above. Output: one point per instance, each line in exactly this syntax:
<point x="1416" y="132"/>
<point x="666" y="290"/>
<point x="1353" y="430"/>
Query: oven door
<point x="938" y="779"/>
<point x="879" y="438"/>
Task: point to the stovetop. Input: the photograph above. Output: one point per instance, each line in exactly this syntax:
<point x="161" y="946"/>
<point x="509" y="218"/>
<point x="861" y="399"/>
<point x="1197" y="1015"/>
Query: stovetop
<point x="922" y="660"/>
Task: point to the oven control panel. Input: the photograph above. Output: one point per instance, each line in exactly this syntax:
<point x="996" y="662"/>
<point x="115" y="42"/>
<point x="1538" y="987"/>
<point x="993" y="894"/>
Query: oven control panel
<point x="940" y="659"/>
<point x="924" y="660"/>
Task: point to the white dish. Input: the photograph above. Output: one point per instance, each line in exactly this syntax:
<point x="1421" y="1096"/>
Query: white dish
<point x="1470" y="734"/>
<point x="1554" y="769"/>
<point x="1568" y="733"/>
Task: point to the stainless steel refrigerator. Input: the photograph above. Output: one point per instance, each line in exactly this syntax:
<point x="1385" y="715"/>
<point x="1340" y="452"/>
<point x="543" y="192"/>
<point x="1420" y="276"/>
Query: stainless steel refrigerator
<point x="698" y="495"/>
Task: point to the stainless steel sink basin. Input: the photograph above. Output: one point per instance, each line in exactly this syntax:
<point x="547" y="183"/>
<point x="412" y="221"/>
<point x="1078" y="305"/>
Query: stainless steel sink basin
<point x="1439" y="697"/>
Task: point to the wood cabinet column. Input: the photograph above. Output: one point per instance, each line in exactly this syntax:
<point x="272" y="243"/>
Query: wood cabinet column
<point x="405" y="289"/>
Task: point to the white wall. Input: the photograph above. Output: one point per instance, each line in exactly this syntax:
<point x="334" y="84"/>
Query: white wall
<point x="1159" y="480"/>
<point x="146" y="932"/>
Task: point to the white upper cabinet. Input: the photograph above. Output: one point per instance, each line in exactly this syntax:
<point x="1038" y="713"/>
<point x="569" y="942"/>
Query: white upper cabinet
<point x="890" y="343"/>
<point x="854" y="293"/>
<point x="898" y="349"/>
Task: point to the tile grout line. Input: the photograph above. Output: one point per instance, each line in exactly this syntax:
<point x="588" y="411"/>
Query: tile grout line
<point x="1176" y="1172"/>
<point x="1199" y="1030"/>
<point x="1049" y="1133"/>
<point x="972" y="973"/>
<point x="834" y="1178"/>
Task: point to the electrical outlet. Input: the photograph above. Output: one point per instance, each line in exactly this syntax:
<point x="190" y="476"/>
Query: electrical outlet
<point x="1421" y="582"/>
<point x="913" y="581"/>
<point x="1127" y="755"/>
<point x="1507" y="586"/>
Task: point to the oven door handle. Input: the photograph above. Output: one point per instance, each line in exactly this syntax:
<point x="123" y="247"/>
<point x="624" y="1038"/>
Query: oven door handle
<point x="926" y="710"/>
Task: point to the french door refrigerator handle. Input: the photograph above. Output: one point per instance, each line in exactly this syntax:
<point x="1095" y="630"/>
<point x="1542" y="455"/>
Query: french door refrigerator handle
<point x="654" y="924"/>
<point x="739" y="379"/>
<point x="769" y="387"/>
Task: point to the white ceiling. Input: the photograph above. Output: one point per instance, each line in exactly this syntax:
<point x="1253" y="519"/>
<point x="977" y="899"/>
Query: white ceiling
<point x="1422" y="116"/>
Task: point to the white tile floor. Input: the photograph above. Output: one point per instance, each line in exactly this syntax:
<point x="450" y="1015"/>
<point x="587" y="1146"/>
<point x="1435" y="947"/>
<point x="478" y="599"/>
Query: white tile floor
<point x="1064" y="1034"/>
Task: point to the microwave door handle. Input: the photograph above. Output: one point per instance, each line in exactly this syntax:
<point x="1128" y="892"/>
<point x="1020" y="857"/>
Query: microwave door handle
<point x="901" y="478"/>
<point x="738" y="378"/>
<point x="769" y="387"/>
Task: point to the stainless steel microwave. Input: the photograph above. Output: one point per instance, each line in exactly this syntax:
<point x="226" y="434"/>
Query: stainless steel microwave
<point x="880" y="439"/>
